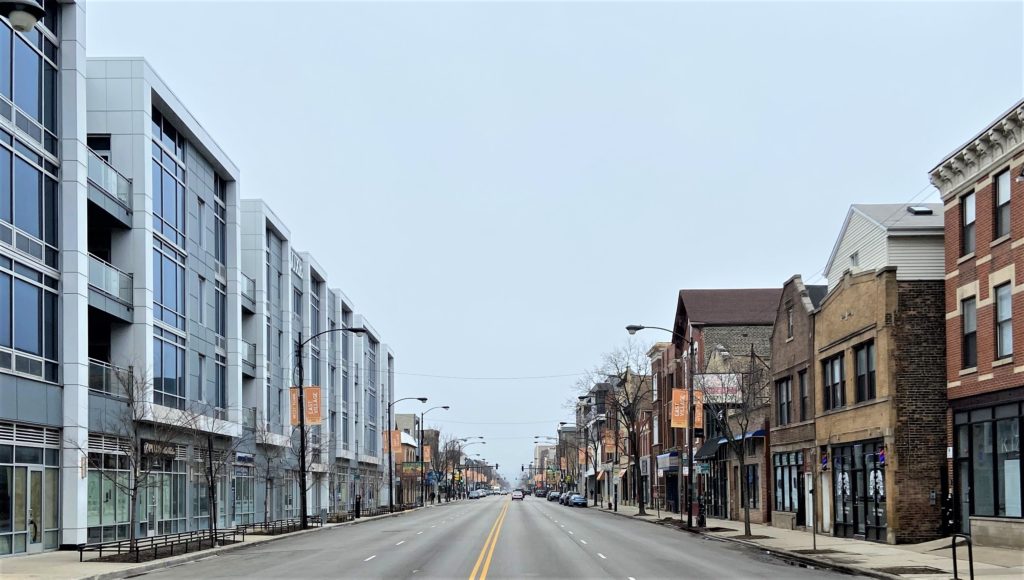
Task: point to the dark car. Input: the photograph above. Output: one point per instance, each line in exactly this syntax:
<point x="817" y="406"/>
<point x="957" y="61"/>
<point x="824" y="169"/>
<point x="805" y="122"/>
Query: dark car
<point x="540" y="492"/>
<point x="553" y="496"/>
<point x="577" y="500"/>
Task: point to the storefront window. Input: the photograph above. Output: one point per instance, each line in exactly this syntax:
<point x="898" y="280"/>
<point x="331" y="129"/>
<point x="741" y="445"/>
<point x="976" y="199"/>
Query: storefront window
<point x="29" y="498"/>
<point x="988" y="462"/>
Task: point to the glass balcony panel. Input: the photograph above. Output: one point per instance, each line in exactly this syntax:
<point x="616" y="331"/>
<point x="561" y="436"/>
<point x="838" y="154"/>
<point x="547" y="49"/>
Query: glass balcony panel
<point x="109" y="279"/>
<point x="106" y="178"/>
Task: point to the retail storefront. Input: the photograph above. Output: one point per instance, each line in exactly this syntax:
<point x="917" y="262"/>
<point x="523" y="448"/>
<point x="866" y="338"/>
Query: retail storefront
<point x="858" y="481"/>
<point x="790" y="495"/>
<point x="988" y="469"/>
<point x="29" y="488"/>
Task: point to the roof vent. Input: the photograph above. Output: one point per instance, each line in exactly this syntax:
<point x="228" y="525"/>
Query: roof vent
<point x="920" y="210"/>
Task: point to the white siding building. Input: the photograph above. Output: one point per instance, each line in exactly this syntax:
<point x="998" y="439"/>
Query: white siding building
<point x="908" y="236"/>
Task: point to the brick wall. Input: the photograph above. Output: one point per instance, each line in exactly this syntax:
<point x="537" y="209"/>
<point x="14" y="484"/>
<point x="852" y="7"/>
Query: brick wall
<point x="920" y="404"/>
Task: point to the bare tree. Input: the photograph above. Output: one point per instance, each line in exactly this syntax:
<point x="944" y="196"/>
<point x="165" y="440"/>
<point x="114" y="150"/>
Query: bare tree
<point x="214" y="463"/>
<point x="145" y="436"/>
<point x="737" y="397"/>
<point x="268" y="464"/>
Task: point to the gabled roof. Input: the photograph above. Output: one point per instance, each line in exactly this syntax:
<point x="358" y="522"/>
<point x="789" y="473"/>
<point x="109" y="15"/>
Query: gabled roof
<point x="895" y="218"/>
<point x="729" y="306"/>
<point x="817" y="293"/>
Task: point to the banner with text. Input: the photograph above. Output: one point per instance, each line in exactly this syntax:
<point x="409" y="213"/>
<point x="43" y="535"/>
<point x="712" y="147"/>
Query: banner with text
<point x="396" y="441"/>
<point x="680" y="409"/>
<point x="311" y="399"/>
<point x="698" y="410"/>
<point x="427" y="453"/>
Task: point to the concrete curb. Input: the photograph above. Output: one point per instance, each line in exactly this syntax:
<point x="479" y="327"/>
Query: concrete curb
<point x="804" y="559"/>
<point x="203" y="554"/>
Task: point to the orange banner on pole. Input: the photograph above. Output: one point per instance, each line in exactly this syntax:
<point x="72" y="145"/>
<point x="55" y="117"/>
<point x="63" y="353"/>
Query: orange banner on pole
<point x="426" y="453"/>
<point x="698" y="410"/>
<point x="293" y="395"/>
<point x="680" y="409"/>
<point x="311" y="397"/>
<point x="396" y="442"/>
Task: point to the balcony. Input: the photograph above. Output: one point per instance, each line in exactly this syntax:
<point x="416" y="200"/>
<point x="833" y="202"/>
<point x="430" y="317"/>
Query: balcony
<point x="248" y="294"/>
<point x="109" y="189"/>
<point x="249" y="359"/>
<point x="249" y="417"/>
<point x="108" y="379"/>
<point x="111" y="289"/>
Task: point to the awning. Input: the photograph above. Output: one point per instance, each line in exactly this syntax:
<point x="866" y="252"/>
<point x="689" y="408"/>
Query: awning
<point x="600" y="475"/>
<point x="622" y="472"/>
<point x="709" y="449"/>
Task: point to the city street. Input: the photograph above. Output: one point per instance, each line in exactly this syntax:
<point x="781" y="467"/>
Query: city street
<point x="497" y="538"/>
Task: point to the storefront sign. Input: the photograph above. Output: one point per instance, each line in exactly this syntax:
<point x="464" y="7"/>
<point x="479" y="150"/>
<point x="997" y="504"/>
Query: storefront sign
<point x="154" y="448"/>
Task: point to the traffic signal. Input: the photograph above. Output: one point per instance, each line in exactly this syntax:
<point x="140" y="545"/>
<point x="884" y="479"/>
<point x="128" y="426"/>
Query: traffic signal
<point x="495" y="467"/>
<point x="522" y="468"/>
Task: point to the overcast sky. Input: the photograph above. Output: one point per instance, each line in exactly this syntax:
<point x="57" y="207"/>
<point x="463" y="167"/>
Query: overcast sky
<point x="501" y="187"/>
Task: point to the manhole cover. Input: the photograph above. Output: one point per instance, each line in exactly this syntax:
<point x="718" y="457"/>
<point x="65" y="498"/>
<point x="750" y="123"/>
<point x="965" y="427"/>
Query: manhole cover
<point x="907" y="570"/>
<point x="816" y="551"/>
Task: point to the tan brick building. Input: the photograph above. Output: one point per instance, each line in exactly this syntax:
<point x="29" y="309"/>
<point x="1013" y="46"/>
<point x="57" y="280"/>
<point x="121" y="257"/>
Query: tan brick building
<point x="879" y="402"/>
<point x="792" y="408"/>
<point x="981" y="184"/>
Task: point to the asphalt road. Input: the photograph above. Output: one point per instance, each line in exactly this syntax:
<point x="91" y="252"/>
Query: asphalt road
<point x="494" y="538"/>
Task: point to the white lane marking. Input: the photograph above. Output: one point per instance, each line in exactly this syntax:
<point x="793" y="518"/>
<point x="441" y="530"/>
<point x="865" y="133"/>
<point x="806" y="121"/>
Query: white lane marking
<point x="418" y="533"/>
<point x="370" y="558"/>
<point x="631" y="578"/>
<point x="563" y="525"/>
<point x="583" y="541"/>
<point x="602" y="556"/>
<point x="433" y="526"/>
<point x="570" y="532"/>
<point x="400" y="543"/>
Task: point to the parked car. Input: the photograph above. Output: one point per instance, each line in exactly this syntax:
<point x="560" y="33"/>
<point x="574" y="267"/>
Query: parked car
<point x="540" y="492"/>
<point x="563" y="498"/>
<point x="517" y="494"/>
<point x="578" y="500"/>
<point x="553" y="496"/>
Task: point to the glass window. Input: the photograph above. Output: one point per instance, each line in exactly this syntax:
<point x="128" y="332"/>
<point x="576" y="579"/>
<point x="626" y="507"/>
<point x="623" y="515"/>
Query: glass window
<point x="28" y="317"/>
<point x="1002" y="205"/>
<point x="1008" y="492"/>
<point x="27" y="71"/>
<point x="833" y="380"/>
<point x="1004" y="323"/>
<point x="969" y="327"/>
<point x="28" y="198"/>
<point x="865" y="371"/>
<point x="805" y="404"/>
<point x="5" y="310"/>
<point x="5" y="183"/>
<point x="967" y="218"/>
<point x="782" y="400"/>
<point x="5" y="61"/>
<point x="983" y="469"/>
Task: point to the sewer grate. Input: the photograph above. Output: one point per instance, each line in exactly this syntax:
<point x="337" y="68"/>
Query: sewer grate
<point x="907" y="570"/>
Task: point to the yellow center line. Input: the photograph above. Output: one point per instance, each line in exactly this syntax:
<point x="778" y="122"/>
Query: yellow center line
<point x="494" y="542"/>
<point x="487" y="543"/>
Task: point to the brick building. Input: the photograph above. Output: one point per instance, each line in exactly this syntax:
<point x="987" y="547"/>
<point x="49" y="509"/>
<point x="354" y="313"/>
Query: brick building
<point x="792" y="404"/>
<point x="879" y="407"/>
<point x="981" y="183"/>
<point x="720" y="321"/>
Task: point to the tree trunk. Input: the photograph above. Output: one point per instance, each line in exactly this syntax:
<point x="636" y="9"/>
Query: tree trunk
<point x="211" y="490"/>
<point x="743" y="489"/>
<point x="133" y="514"/>
<point x="266" y="497"/>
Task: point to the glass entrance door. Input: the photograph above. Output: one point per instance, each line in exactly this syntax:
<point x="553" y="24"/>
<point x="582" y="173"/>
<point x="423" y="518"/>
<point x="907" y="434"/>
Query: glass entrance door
<point x="35" y="510"/>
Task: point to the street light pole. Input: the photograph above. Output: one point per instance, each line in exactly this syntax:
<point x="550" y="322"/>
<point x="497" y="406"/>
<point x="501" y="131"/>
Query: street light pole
<point x="391" y="453"/>
<point x="302" y="415"/>
<point x="632" y="329"/>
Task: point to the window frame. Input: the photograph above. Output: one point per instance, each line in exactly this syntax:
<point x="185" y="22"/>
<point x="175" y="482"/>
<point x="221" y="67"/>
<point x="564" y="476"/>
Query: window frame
<point x="864" y="378"/>
<point x="783" y="401"/>
<point x="968" y="223"/>
<point x="1003" y="320"/>
<point x="834" y="390"/>
<point x="969" y="338"/>
<point x="1001" y="220"/>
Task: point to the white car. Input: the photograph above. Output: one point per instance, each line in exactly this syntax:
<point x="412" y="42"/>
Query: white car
<point x="517" y="494"/>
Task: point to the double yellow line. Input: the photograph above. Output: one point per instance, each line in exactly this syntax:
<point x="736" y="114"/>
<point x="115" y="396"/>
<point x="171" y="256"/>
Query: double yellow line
<point x="488" y="550"/>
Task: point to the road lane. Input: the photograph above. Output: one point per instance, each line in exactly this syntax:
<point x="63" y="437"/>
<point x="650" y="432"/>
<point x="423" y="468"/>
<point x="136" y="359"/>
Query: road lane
<point x="494" y="538"/>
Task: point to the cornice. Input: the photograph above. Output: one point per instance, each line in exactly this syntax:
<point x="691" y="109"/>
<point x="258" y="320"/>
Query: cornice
<point x="1000" y="141"/>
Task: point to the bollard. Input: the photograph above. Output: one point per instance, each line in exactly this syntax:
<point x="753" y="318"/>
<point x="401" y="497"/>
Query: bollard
<point x="970" y="554"/>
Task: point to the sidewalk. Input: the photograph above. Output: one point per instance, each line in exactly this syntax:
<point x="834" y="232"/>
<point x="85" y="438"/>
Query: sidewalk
<point x="928" y="560"/>
<point x="65" y="564"/>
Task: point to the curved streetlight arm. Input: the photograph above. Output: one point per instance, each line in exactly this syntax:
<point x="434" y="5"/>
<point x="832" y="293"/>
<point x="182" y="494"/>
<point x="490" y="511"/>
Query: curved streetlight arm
<point x="355" y="330"/>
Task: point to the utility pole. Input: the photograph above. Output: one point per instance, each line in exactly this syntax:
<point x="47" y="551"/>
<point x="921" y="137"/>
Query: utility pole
<point x="302" y="436"/>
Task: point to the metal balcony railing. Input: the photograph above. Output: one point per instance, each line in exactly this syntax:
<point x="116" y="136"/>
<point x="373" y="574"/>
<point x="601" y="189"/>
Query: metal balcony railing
<point x="249" y="353"/>
<point x="108" y="180"/>
<point x="108" y="279"/>
<point x="106" y="378"/>
<point x="248" y="287"/>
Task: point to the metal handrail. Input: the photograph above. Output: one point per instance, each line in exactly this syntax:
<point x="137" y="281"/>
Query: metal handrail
<point x="970" y="554"/>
